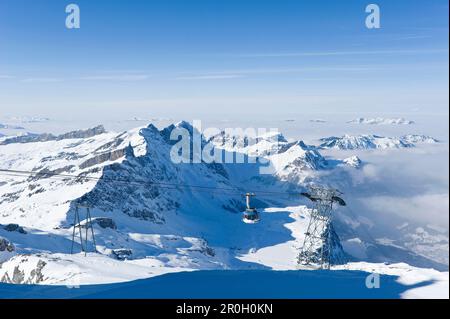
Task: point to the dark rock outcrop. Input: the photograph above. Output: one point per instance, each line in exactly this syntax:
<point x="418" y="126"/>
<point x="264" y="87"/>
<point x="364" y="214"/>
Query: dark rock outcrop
<point x="14" y="228"/>
<point x="6" y="245"/>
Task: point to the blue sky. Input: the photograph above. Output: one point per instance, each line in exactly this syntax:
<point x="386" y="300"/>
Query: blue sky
<point x="173" y="57"/>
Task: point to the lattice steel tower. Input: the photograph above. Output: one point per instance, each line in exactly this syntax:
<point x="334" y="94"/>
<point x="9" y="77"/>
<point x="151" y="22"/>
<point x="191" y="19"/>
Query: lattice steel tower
<point x="88" y="226"/>
<point x="317" y="246"/>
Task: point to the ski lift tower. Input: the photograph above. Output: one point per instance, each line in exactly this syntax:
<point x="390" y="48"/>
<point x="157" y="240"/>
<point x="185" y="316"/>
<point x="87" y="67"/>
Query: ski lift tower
<point x="84" y="243"/>
<point x="317" y="248"/>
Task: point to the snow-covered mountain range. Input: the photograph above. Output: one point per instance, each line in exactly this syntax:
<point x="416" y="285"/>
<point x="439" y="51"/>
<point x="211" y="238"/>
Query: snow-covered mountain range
<point x="27" y="119"/>
<point x="366" y="141"/>
<point x="11" y="127"/>
<point x="153" y="216"/>
<point x="381" y="121"/>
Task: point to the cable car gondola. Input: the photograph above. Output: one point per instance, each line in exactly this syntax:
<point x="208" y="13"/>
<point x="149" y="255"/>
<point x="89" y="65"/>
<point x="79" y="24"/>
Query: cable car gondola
<point x="251" y="215"/>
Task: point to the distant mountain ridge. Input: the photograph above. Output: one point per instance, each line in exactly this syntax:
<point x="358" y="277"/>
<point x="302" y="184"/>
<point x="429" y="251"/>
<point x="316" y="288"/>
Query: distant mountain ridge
<point x="11" y="127"/>
<point x="381" y="121"/>
<point x="31" y="138"/>
<point x="367" y="141"/>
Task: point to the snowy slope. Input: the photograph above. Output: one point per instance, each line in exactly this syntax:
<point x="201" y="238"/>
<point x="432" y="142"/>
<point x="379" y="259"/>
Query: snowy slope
<point x="146" y="223"/>
<point x="171" y="226"/>
<point x="395" y="281"/>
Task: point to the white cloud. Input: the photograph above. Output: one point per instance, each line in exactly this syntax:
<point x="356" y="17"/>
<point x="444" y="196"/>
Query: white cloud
<point x="410" y="183"/>
<point x="236" y="73"/>
<point x="211" y="77"/>
<point x="41" y="80"/>
<point x="428" y="208"/>
<point x="116" y="77"/>
<point x="343" y="53"/>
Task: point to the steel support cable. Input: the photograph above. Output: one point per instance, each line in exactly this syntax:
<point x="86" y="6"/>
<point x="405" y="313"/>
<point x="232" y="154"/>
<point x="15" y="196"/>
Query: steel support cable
<point x="175" y="186"/>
